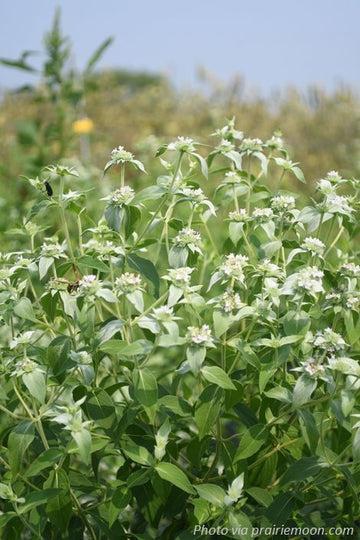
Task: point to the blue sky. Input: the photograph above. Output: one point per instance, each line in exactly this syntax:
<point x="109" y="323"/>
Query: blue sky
<point x="271" y="43"/>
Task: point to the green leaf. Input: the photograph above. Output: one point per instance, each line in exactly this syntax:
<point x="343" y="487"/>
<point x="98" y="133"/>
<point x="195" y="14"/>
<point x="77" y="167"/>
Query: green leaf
<point x="37" y="498"/>
<point x="171" y="473"/>
<point x="309" y="429"/>
<point x="19" y="440"/>
<point x="86" y="261"/>
<point x="356" y="445"/>
<point x="280" y="509"/>
<point x="59" y="508"/>
<point x="116" y="346"/>
<point x="216" y="375"/>
<point x="150" y="193"/>
<point x="195" y="356"/>
<point x="261" y="496"/>
<point x="36" y="384"/>
<point x="176" y="404"/>
<point x="145" y="387"/>
<point x="95" y="57"/>
<point x="251" y="442"/>
<point x="299" y="174"/>
<point x="82" y="438"/>
<point x="25" y="310"/>
<point x="139" y="478"/>
<point x="304" y="387"/>
<point x="207" y="409"/>
<point x="119" y="501"/>
<point x="138" y="454"/>
<point x="47" y="459"/>
<point x="147" y="269"/>
<point x="280" y="393"/>
<point x="222" y="322"/>
<point x="178" y="256"/>
<point x="296" y="323"/>
<point x="303" y="469"/>
<point x="235" y="231"/>
<point x="212" y="494"/>
<point x="100" y="408"/>
<point x="44" y="265"/>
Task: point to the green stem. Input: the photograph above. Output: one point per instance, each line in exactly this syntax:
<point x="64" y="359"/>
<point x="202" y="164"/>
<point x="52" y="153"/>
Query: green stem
<point x="63" y="221"/>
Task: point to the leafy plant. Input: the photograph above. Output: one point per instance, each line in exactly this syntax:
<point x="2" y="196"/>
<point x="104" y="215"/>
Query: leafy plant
<point x="188" y="359"/>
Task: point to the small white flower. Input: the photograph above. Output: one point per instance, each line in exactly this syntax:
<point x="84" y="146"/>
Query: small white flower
<point x="251" y="145"/>
<point x="329" y="340"/>
<point x="230" y="301"/>
<point x="350" y="270"/>
<point x="233" y="177"/>
<point x="283" y="203"/>
<point x="325" y="187"/>
<point x="338" y="204"/>
<point x="52" y="250"/>
<point x="123" y="195"/>
<point x="312" y="368"/>
<point x="314" y="245"/>
<point x="309" y="279"/>
<point x="240" y="215"/>
<point x="89" y="285"/>
<point x="128" y="283"/>
<point x="164" y="314"/>
<point x="196" y="195"/>
<point x="234" y="266"/>
<point x="180" y="277"/>
<point x="269" y="269"/>
<point x="182" y="144"/>
<point x="333" y="176"/>
<point x="187" y="237"/>
<point x="262" y="214"/>
<point x="120" y="155"/>
<point x="224" y="146"/>
<point x="199" y="336"/>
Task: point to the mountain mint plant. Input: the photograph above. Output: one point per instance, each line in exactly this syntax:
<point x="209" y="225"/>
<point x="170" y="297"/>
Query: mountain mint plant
<point x="173" y="358"/>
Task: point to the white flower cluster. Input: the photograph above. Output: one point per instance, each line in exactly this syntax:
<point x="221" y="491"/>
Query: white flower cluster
<point x="186" y="237"/>
<point x="275" y="142"/>
<point x="312" y="368"/>
<point x="240" y="215"/>
<point x="251" y="145"/>
<point x="309" y="280"/>
<point x="230" y="301"/>
<point x="199" y="336"/>
<point x="232" y="177"/>
<point x="182" y="144"/>
<point x="262" y="214"/>
<point x="325" y="187"/>
<point x="224" y="146"/>
<point x="128" y="282"/>
<point x="283" y="203"/>
<point x="314" y="245"/>
<point x="52" y="250"/>
<point x="329" y="340"/>
<point x="123" y="195"/>
<point x="350" y="270"/>
<point x="180" y="277"/>
<point x="234" y="266"/>
<point x="337" y="204"/>
<point x="89" y="285"/>
<point x="269" y="269"/>
<point x="120" y="155"/>
<point x="164" y="314"/>
<point x="103" y="249"/>
<point x="196" y="195"/>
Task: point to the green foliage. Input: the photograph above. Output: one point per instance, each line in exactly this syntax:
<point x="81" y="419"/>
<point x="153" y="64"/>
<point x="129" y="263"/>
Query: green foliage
<point x="194" y="361"/>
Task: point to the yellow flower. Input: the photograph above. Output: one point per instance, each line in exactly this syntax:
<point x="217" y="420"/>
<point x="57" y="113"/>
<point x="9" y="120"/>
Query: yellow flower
<point x="85" y="125"/>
